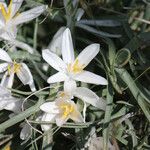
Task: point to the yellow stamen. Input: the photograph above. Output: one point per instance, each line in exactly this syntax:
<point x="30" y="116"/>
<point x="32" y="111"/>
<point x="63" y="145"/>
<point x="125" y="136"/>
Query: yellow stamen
<point x="7" y="147"/>
<point x="6" y="14"/>
<point x="63" y="95"/>
<point x="67" y="109"/>
<point x="76" y="67"/>
<point x="15" y="67"/>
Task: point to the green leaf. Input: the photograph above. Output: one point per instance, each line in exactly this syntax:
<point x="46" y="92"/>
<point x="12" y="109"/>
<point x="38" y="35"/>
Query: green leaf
<point x="122" y="57"/>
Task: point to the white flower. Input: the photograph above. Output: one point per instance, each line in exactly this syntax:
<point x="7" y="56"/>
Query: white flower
<point x="56" y="43"/>
<point x="8" y="102"/>
<point x="61" y="110"/>
<point x="64" y="105"/>
<point x="70" y="68"/>
<point x="83" y="93"/>
<point x="10" y="18"/>
<point x="11" y="68"/>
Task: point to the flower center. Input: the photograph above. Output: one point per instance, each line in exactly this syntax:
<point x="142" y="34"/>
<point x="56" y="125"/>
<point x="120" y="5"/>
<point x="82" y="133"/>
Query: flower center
<point x="75" y="68"/>
<point x="67" y="109"/>
<point x="6" y="14"/>
<point x="63" y="95"/>
<point x="14" y="68"/>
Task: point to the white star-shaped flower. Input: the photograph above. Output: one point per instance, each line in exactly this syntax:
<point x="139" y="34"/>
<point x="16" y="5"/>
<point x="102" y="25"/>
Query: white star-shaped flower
<point x="64" y="106"/>
<point x="11" y="68"/>
<point x="61" y="110"/>
<point x="10" y="18"/>
<point x="70" y="68"/>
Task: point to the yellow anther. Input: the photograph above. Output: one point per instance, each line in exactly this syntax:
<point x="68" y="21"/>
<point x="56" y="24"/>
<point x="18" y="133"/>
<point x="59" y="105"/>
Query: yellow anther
<point x="63" y="95"/>
<point x="6" y="14"/>
<point x="16" y="67"/>
<point x="67" y="109"/>
<point x="13" y="68"/>
<point x="76" y="67"/>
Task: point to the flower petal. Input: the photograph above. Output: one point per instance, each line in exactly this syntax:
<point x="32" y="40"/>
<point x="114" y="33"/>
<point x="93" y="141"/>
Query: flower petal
<point x="77" y="117"/>
<point x="90" y="97"/>
<point x="25" y="132"/>
<point x="24" y="74"/>
<point x="56" y="43"/>
<point x="58" y="77"/>
<point x="9" y="33"/>
<point x="22" y="45"/>
<point x="7" y="80"/>
<point x="2" y="20"/>
<point x="4" y="92"/>
<point x="49" y="107"/>
<point x="4" y="56"/>
<point x="61" y="120"/>
<point x="3" y="67"/>
<point x="14" y="105"/>
<point x="70" y="86"/>
<point x="15" y="7"/>
<point x="53" y="60"/>
<point x="88" y="54"/>
<point x="32" y="86"/>
<point x="89" y="77"/>
<point x="29" y="14"/>
<point x="47" y="117"/>
<point x="67" y="47"/>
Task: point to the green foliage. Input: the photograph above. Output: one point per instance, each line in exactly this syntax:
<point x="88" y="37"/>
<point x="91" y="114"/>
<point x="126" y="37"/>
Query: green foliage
<point x="124" y="59"/>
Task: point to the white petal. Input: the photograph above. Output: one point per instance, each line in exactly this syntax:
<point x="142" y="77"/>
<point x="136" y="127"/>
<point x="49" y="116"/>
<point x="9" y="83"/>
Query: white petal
<point x="49" y="107"/>
<point x="4" y="103"/>
<point x="70" y="86"/>
<point x="88" y="54"/>
<point x="29" y="15"/>
<point x="22" y="45"/>
<point x="7" y="80"/>
<point x="53" y="60"/>
<point x="4" y="56"/>
<point x="24" y="74"/>
<point x="49" y="118"/>
<point x="84" y="111"/>
<point x="25" y="132"/>
<point x="79" y="14"/>
<point x="15" y="7"/>
<point x="14" y="106"/>
<point x="67" y="47"/>
<point x="9" y="33"/>
<point x="8" y="102"/>
<point x="89" y="77"/>
<point x="2" y="20"/>
<point x="77" y="117"/>
<point x="60" y="120"/>
<point x="32" y="86"/>
<point x="3" y="67"/>
<point x="56" y="43"/>
<point x="4" y="92"/>
<point x="58" y="77"/>
<point x="90" y="97"/>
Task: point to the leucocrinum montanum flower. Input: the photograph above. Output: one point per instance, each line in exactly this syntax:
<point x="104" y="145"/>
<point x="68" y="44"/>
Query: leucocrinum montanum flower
<point x="64" y="107"/>
<point x="10" y="17"/>
<point x="11" y="68"/>
<point x="70" y="68"/>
